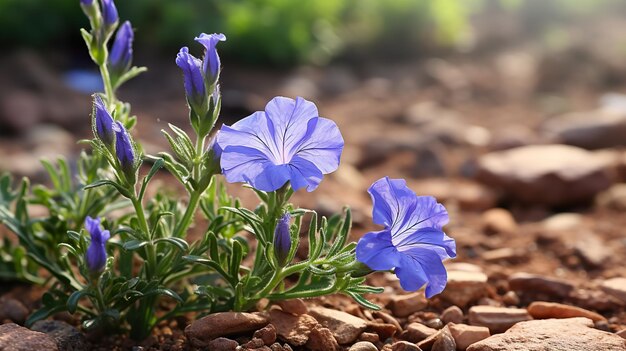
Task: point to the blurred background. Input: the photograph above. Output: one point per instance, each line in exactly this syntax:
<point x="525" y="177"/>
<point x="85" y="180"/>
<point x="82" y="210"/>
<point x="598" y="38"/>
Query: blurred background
<point x="421" y="89"/>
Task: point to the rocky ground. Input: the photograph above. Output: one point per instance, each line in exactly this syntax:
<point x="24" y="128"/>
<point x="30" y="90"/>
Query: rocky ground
<point x="526" y="152"/>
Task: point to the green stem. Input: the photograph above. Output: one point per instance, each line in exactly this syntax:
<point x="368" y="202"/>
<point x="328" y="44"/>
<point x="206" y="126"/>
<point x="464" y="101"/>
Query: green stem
<point x="278" y="277"/>
<point x="194" y="196"/>
<point x="108" y="87"/>
<point x="150" y="248"/>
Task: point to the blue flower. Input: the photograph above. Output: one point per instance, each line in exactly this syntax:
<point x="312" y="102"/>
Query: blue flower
<point x="282" y="240"/>
<point x="109" y="13"/>
<point x="103" y="122"/>
<point x="124" y="149"/>
<point x="122" y="52"/>
<point x="194" y="82"/>
<point x="96" y="255"/>
<point x="211" y="65"/>
<point x="286" y="142"/>
<point x="412" y="242"/>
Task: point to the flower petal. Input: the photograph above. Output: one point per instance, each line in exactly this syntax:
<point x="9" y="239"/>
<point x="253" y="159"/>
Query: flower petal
<point x="254" y="131"/>
<point x="422" y="266"/>
<point x="304" y="173"/>
<point x="245" y="164"/>
<point x="322" y="144"/>
<point x="428" y="238"/>
<point x="376" y="251"/>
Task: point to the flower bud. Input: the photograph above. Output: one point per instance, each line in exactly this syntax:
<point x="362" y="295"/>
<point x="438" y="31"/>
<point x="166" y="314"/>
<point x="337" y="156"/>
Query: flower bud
<point x="125" y="152"/>
<point x="282" y="240"/>
<point x="109" y="13"/>
<point x="121" y="55"/>
<point x="103" y="123"/>
<point x="211" y="64"/>
<point x="96" y="255"/>
<point x="194" y="83"/>
<point x="86" y="2"/>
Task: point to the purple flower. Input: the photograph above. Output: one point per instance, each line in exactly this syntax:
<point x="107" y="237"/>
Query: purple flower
<point x="122" y="52"/>
<point x="286" y="142"/>
<point x="103" y="122"/>
<point x="109" y="12"/>
<point x="412" y="242"/>
<point x="211" y="65"/>
<point x="86" y="2"/>
<point x="96" y="255"/>
<point x="124" y="149"/>
<point x="194" y="82"/>
<point x="282" y="240"/>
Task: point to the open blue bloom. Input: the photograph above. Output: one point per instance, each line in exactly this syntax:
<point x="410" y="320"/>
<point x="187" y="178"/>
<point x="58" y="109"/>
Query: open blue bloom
<point x="124" y="149"/>
<point x="109" y="12"/>
<point x="211" y="65"/>
<point x="122" y="52"/>
<point x="96" y="255"/>
<point x="103" y="122"/>
<point x="413" y="242"/>
<point x="282" y="240"/>
<point x="194" y="82"/>
<point x="286" y="142"/>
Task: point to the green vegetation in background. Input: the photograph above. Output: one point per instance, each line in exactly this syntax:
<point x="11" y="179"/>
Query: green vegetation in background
<point x="276" y="31"/>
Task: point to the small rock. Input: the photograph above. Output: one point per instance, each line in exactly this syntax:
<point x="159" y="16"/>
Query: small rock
<point x="13" y="309"/>
<point x="445" y="341"/>
<point x="404" y="346"/>
<point x="345" y="327"/>
<point x="497" y="319"/>
<point x="464" y="287"/>
<point x="66" y="336"/>
<point x="16" y="338"/>
<point x="222" y="344"/>
<point x="510" y="298"/>
<point x="615" y="287"/>
<point x="406" y="305"/>
<point x="464" y="335"/>
<point x="278" y="347"/>
<point x="369" y="337"/>
<point x="550" y="175"/>
<point x="382" y="330"/>
<point x="602" y="128"/>
<point x="452" y="314"/>
<point x="505" y="254"/>
<point x="416" y="332"/>
<point x="622" y="333"/>
<point x="389" y="319"/>
<point x="221" y="324"/>
<point x="321" y="339"/>
<point x="597" y="300"/>
<point x="267" y="334"/>
<point x="293" y="329"/>
<point x="592" y="249"/>
<point x="562" y="222"/>
<point x="613" y="198"/>
<point x="363" y="346"/>
<point x="533" y="283"/>
<point x="499" y="221"/>
<point x="293" y="306"/>
<point x="254" y="344"/>
<point x="552" y="334"/>
<point x="545" y="310"/>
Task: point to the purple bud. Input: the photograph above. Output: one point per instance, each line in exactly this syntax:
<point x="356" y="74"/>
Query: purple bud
<point x="194" y="83"/>
<point x="96" y="255"/>
<point x="122" y="52"/>
<point x="103" y="122"/>
<point x="109" y="12"/>
<point x="124" y="149"/>
<point x="282" y="240"/>
<point x="86" y="2"/>
<point x="211" y="65"/>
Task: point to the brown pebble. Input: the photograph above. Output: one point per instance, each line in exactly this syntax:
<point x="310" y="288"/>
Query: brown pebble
<point x="293" y="329"/>
<point x="383" y="330"/>
<point x="363" y="346"/>
<point x="278" y="347"/>
<point x="223" y="344"/>
<point x="221" y="324"/>
<point x="322" y="339"/>
<point x="404" y="346"/>
<point x="445" y="341"/>
<point x="405" y="305"/>
<point x="533" y="283"/>
<point x="497" y="319"/>
<point x="370" y="337"/>
<point x="416" y="332"/>
<point x="464" y="335"/>
<point x="293" y="306"/>
<point x="267" y="334"/>
<point x="545" y="310"/>
<point x="345" y="327"/>
<point x="13" y="310"/>
<point x="452" y="314"/>
<point x="499" y="221"/>
<point x="255" y="343"/>
<point x="510" y="298"/>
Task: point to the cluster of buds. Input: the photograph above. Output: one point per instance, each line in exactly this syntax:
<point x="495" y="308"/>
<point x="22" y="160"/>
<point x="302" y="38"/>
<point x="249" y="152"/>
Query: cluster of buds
<point x="201" y="83"/>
